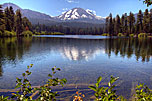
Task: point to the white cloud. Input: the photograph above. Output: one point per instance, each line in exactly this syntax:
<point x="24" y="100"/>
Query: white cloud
<point x="64" y="10"/>
<point x="72" y="1"/>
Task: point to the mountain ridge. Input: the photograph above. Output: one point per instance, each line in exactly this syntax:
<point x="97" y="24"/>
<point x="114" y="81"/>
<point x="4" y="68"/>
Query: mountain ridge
<point x="80" y="15"/>
<point x="36" y="17"/>
<point x="28" y="13"/>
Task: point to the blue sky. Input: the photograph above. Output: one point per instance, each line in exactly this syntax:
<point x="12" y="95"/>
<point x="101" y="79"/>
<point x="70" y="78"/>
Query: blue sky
<point x="101" y="7"/>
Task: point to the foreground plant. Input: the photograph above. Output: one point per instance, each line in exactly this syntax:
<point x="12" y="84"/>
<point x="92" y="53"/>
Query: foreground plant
<point x="45" y="92"/>
<point x="2" y="98"/>
<point x="143" y="93"/>
<point x="26" y="92"/>
<point x="24" y="87"/>
<point x="78" y="97"/>
<point x="106" y="93"/>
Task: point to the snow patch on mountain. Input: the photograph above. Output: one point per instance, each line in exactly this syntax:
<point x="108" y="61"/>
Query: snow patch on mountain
<point x="79" y="14"/>
<point x="84" y="16"/>
<point x="90" y="12"/>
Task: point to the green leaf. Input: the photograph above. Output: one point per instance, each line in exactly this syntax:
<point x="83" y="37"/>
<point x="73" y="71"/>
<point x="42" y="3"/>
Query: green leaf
<point x="31" y="65"/>
<point x="28" y="67"/>
<point x="25" y="80"/>
<point x="96" y="95"/>
<point x="53" y="69"/>
<point x="109" y="84"/>
<point x="19" y="80"/>
<point x="64" y="80"/>
<point x="99" y="79"/>
<point x="23" y="74"/>
<point x="18" y="86"/>
<point x="58" y="69"/>
<point x="93" y="88"/>
<point x="109" y="91"/>
<point x="29" y="73"/>
<point x="113" y="79"/>
<point x="100" y="90"/>
<point x="97" y="85"/>
<point x="49" y="75"/>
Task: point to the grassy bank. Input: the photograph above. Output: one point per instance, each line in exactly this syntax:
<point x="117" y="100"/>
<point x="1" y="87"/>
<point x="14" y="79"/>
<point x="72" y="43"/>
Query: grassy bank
<point x="45" y="33"/>
<point x="140" y="35"/>
<point x="13" y="34"/>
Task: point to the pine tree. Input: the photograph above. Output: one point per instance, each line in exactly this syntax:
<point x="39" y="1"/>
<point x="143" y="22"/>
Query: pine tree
<point x="110" y="25"/>
<point x="150" y="21"/>
<point x="126" y="23"/>
<point x="107" y="24"/>
<point x="18" y="21"/>
<point x="7" y="19"/>
<point x="139" y="24"/>
<point x="122" y="24"/>
<point x="2" y="26"/>
<point x="114" y="27"/>
<point x="141" y="20"/>
<point x="146" y="21"/>
<point x="131" y="21"/>
<point x="27" y="24"/>
<point x="11" y="17"/>
<point x="60" y="28"/>
<point x="118" y="24"/>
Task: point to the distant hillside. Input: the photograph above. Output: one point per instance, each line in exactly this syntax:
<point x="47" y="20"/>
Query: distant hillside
<point x="29" y="13"/>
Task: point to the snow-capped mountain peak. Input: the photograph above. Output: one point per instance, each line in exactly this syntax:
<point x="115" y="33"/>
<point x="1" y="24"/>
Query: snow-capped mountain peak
<point x="79" y="14"/>
<point x="74" y="15"/>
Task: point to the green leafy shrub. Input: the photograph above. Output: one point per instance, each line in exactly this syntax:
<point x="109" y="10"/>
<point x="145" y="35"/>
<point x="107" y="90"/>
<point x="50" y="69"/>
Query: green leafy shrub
<point x="53" y="33"/>
<point x="45" y="91"/>
<point x="142" y="35"/>
<point x="105" y="34"/>
<point x="24" y="86"/>
<point x="1" y="33"/>
<point x="120" y="34"/>
<point x="143" y="93"/>
<point x="131" y="35"/>
<point x="106" y="93"/>
<point x="43" y="33"/>
<point x="57" y="33"/>
<point x="27" y="33"/>
<point x="38" y="33"/>
<point x="9" y="34"/>
<point x="2" y="98"/>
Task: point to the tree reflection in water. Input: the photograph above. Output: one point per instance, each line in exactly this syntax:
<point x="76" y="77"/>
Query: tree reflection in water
<point x="75" y="49"/>
<point x="12" y="49"/>
<point x="141" y="48"/>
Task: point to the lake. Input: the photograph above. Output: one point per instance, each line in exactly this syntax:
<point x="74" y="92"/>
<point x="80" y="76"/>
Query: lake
<point x="82" y="60"/>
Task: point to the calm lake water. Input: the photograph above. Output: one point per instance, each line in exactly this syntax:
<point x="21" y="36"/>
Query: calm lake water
<point x="82" y="60"/>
